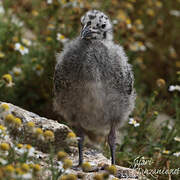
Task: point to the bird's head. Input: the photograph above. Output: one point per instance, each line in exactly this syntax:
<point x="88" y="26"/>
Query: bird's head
<point x="96" y="25"/>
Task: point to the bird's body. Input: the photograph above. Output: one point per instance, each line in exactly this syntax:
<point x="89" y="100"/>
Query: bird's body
<point x="94" y="85"/>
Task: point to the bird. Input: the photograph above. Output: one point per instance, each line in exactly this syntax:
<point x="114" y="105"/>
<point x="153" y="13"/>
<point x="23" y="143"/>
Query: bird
<point x="94" y="83"/>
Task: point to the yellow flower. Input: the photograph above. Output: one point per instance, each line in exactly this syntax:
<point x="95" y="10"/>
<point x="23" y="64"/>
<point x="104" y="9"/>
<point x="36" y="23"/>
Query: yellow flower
<point x="67" y="163"/>
<point x="27" y="42"/>
<point x="86" y="166"/>
<point x="61" y="155"/>
<point x="17" y="71"/>
<point x="36" y="167"/>
<point x="28" y="146"/>
<point x="15" y="39"/>
<point x="156" y="113"/>
<point x="129" y="6"/>
<point x="2" y="55"/>
<point x="133" y="122"/>
<point x="166" y="152"/>
<point x="19" y="146"/>
<point x="48" y="39"/>
<point x="2" y="128"/>
<point x="98" y="177"/>
<point x="49" y="135"/>
<point x="30" y="124"/>
<point x="35" y="13"/>
<point x="22" y="49"/>
<point x="51" y="26"/>
<point x="9" y="118"/>
<point x="4" y="146"/>
<point x="121" y="15"/>
<point x="4" y="106"/>
<point x="160" y="82"/>
<point x="38" y="131"/>
<point x="68" y="177"/>
<point x="71" y="135"/>
<point x="112" y="169"/>
<point x="61" y="38"/>
<point x="178" y="64"/>
<point x="17" y="122"/>
<point x="38" y="67"/>
<point x="150" y="12"/>
<point x="158" y="4"/>
<point x="19" y="171"/>
<point x="63" y="177"/>
<point x="7" y="78"/>
<point x="34" y="59"/>
<point x="25" y="167"/>
<point x="9" y="168"/>
<point x="66" y="1"/>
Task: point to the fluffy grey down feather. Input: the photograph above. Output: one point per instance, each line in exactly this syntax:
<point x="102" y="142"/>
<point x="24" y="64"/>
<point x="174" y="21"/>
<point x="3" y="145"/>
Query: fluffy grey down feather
<point x="94" y="85"/>
<point x="93" y="81"/>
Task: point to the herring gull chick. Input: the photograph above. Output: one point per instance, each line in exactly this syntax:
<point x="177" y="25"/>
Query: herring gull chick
<point x="93" y="82"/>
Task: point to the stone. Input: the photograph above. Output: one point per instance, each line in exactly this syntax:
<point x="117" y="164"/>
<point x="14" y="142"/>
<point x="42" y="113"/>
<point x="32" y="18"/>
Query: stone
<point x="91" y="155"/>
<point x="24" y="136"/>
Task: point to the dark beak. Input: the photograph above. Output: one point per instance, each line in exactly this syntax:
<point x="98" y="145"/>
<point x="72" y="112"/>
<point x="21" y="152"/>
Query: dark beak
<point x="86" y="33"/>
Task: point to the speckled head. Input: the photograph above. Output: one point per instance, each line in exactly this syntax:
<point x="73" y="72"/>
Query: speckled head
<point x="96" y="25"/>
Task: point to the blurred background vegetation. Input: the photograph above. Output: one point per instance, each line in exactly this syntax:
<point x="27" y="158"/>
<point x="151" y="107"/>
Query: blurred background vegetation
<point x="33" y="31"/>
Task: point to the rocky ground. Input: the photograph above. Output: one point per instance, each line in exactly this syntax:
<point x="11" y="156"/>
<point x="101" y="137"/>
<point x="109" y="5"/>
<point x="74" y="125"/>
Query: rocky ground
<point x="96" y="158"/>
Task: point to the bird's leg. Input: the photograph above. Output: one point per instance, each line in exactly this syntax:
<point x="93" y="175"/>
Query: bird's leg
<point x="112" y="143"/>
<point x="80" y="135"/>
<point x="80" y="148"/>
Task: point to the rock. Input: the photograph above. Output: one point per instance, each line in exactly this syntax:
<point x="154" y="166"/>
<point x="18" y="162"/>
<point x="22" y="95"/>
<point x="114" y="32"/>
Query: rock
<point x="94" y="157"/>
<point x="24" y="136"/>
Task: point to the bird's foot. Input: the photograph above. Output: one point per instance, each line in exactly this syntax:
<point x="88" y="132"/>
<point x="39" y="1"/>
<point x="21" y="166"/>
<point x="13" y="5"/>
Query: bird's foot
<point x="76" y="167"/>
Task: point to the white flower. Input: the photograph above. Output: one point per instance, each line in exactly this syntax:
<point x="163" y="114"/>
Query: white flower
<point x="149" y="44"/>
<point x="19" y="151"/>
<point x="174" y="87"/>
<point x="49" y="1"/>
<point x="177" y="138"/>
<point x="27" y="42"/>
<point x="16" y="21"/>
<point x="17" y="71"/>
<point x="166" y="152"/>
<point x="60" y="166"/>
<point x="61" y="38"/>
<point x="1" y="9"/>
<point x="27" y="176"/>
<point x="3" y="162"/>
<point x="4" y="110"/>
<point x="115" y="21"/>
<point x="22" y="49"/>
<point x="140" y="26"/>
<point x="177" y="154"/>
<point x="175" y="13"/>
<point x="133" y="122"/>
<point x="137" y="46"/>
<point x="129" y="26"/>
<point x="30" y="151"/>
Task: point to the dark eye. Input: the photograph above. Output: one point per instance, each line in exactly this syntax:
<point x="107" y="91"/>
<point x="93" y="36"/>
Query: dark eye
<point x="89" y="23"/>
<point x="103" y="26"/>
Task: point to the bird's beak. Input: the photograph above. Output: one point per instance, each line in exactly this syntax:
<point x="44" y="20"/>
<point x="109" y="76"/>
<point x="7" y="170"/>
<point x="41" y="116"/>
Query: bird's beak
<point x="86" y="33"/>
